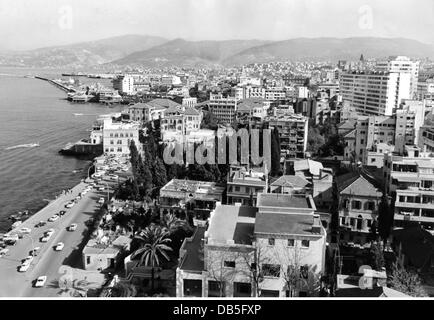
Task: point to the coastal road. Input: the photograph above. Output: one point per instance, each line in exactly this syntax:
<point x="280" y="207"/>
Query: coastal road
<point x="48" y="261"/>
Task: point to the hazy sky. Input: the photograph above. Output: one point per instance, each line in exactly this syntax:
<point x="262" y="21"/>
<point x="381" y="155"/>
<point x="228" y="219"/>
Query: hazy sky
<point x="28" y="24"/>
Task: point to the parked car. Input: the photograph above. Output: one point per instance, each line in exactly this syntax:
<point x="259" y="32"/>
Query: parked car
<point x="53" y="218"/>
<point x="40" y="282"/>
<point x="59" y="246"/>
<point x="40" y="224"/>
<point x="34" y="252"/>
<point x="3" y="252"/>
<point x="28" y="259"/>
<point x="25" y="230"/>
<point x="70" y="204"/>
<point x="72" y="227"/>
<point x="24" y="267"/>
<point x="62" y="212"/>
<point x="101" y="200"/>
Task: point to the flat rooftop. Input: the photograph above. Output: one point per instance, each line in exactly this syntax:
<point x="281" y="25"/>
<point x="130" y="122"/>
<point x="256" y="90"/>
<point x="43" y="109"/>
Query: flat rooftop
<point x="277" y="200"/>
<point x="232" y="223"/>
<point x="200" y="190"/>
<point x="285" y="224"/>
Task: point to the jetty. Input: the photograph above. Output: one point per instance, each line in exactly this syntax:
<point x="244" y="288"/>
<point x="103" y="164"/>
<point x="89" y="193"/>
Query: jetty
<point x="57" y="84"/>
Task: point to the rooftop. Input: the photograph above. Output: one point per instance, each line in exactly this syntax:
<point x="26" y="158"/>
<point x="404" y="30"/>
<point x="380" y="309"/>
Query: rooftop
<point x="285" y="224"/>
<point x="277" y="200"/>
<point x="291" y="181"/>
<point x="231" y="224"/>
<point x="356" y="184"/>
<point x="193" y="254"/>
<point x="196" y="189"/>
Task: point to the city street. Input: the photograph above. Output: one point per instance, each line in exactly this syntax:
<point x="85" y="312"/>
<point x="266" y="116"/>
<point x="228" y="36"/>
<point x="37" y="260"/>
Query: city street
<point x="48" y="261"/>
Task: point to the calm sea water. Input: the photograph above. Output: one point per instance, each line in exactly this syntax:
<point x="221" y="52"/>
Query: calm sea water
<point x="34" y="111"/>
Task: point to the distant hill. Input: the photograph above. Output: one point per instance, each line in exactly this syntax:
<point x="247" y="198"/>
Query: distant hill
<point x="148" y="51"/>
<point x="185" y="53"/>
<point x="81" y="54"/>
<point x="331" y="49"/>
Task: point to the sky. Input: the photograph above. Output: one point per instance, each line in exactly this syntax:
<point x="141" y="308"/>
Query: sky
<point x="28" y="24"/>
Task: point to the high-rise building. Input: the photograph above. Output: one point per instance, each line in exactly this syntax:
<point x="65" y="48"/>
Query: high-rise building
<point x="375" y="93"/>
<point x="402" y="64"/>
<point x="224" y="109"/>
<point x="124" y="84"/>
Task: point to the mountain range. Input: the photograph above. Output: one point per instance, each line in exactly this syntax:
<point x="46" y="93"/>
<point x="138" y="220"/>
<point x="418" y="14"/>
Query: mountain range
<point x="149" y="51"/>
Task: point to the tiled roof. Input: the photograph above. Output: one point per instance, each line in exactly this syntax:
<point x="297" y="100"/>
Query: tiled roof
<point x="314" y="167"/>
<point x="162" y="103"/>
<point x="356" y="184"/>
<point x="290" y="181"/>
<point x="191" y="112"/>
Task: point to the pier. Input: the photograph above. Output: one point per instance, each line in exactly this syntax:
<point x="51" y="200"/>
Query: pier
<point x="57" y="84"/>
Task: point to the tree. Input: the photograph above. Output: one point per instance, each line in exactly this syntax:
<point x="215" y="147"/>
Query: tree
<point x="171" y="224"/>
<point x="217" y="269"/>
<point x="385" y="217"/>
<point x="154" y="246"/>
<point x="275" y="153"/>
<point x="297" y="275"/>
<point x="314" y="140"/>
<point x="407" y="282"/>
<point x="376" y="256"/>
<point x="254" y="261"/>
<point x="120" y="289"/>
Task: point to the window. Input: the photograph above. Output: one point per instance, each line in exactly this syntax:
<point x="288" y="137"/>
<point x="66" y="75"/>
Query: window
<point x="355" y="204"/>
<point x="271" y="241"/>
<point x="305" y="243"/>
<point x="229" y="264"/>
<point x="215" y="287"/>
<point x="271" y="270"/>
<point x="291" y="242"/>
<point x="112" y="142"/>
<point x="304" y="272"/>
<point x="87" y="259"/>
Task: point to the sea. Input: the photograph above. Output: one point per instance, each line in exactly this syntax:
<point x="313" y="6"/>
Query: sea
<point x="34" y="112"/>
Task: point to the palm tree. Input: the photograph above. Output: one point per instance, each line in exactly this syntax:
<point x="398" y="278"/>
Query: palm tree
<point x="171" y="224"/>
<point x="154" y="246"/>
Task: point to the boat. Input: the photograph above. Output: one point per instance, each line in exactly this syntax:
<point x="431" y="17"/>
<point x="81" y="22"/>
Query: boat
<point x="77" y="114"/>
<point x="28" y="145"/>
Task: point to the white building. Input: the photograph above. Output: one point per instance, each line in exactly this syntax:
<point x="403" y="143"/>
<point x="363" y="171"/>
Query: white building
<point x="124" y="84"/>
<point x="375" y="93"/>
<point x="117" y="137"/>
<point x="402" y="64"/>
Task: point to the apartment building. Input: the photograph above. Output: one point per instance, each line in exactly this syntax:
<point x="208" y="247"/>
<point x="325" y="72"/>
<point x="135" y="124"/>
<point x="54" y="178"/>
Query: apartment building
<point x="275" y="93"/>
<point x="223" y="109"/>
<point x="426" y="138"/>
<point x="252" y="109"/>
<point x="410" y="182"/>
<point x="151" y="110"/>
<point x="282" y="237"/>
<point x="117" y="137"/>
<point x="425" y="90"/>
<point x="402" y="64"/>
<point x="375" y="93"/>
<point x="293" y="130"/>
<point x="243" y="186"/>
<point x="184" y="197"/>
<point x="124" y="84"/>
<point x="181" y="120"/>
<point x="358" y="203"/>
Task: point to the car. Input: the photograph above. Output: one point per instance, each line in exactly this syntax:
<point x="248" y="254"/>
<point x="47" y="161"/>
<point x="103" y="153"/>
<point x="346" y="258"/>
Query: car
<point x="70" y="204"/>
<point x="40" y="224"/>
<point x="62" y="212"/>
<point x="40" y="282"/>
<point x="114" y="177"/>
<point x="59" y="246"/>
<point x="28" y="259"/>
<point x="53" y="218"/>
<point x="101" y="188"/>
<point x="3" y="252"/>
<point x="34" y="251"/>
<point x="25" y="230"/>
<point x="24" y="267"/>
<point x="45" y="239"/>
<point x="72" y="227"/>
<point x="101" y="200"/>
